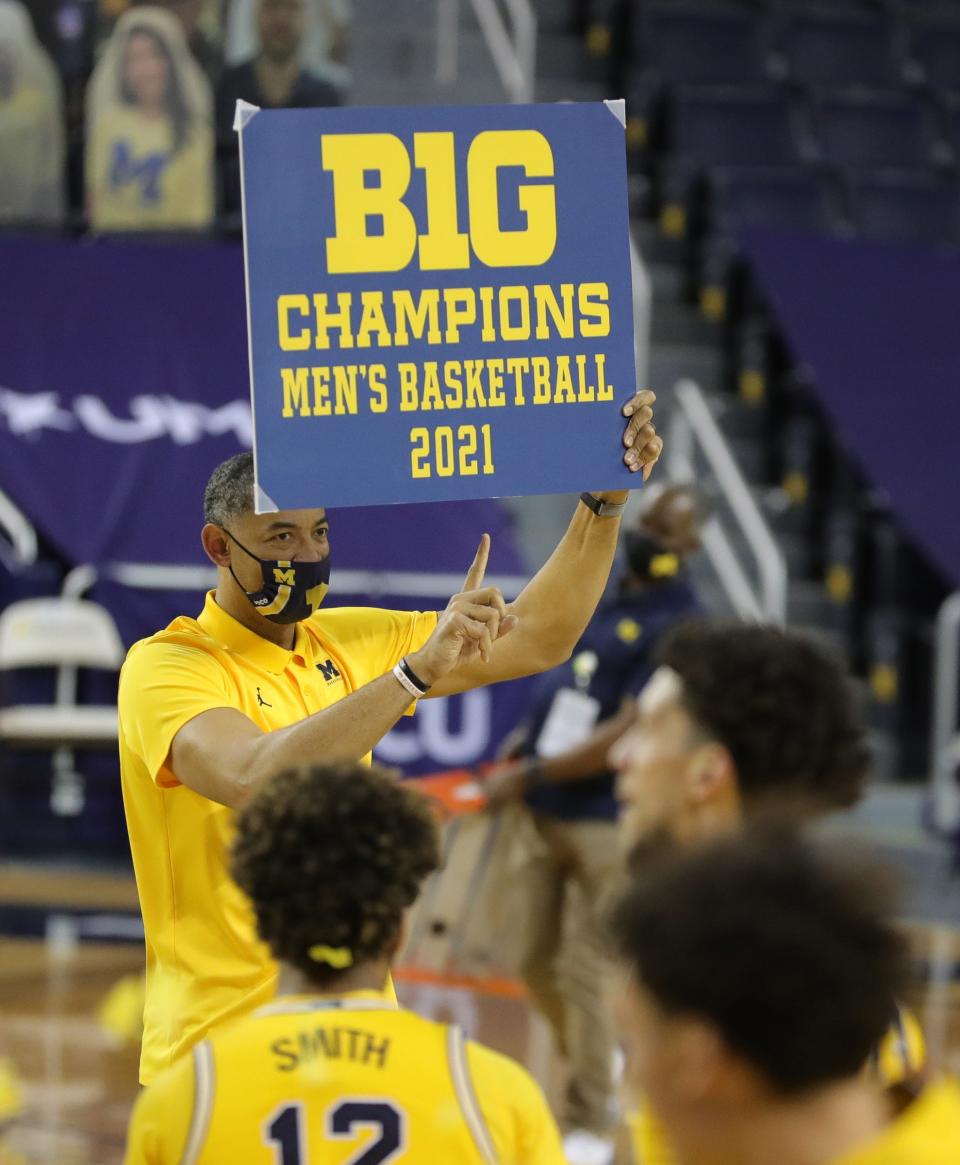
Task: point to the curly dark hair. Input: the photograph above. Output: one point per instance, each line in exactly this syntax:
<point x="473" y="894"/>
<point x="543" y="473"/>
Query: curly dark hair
<point x="332" y="856"/>
<point x="780" y="703"/>
<point x="784" y="945"/>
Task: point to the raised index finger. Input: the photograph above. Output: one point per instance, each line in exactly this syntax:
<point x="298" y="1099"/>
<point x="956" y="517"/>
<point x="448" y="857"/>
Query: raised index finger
<point x="478" y="568"/>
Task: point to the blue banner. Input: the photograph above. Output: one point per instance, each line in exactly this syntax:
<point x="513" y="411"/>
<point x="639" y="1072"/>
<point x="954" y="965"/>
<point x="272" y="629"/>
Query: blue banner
<point x="877" y="325"/>
<point x="439" y="301"/>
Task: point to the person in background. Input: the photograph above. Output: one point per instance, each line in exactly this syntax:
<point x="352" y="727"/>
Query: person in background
<point x="561" y="773"/>
<point x="332" y="858"/>
<point x="275" y="78"/>
<point x="739" y="721"/>
<point x="324" y="45"/>
<point x="205" y="50"/>
<point x="149" y="161"/>
<point x="757" y="976"/>
<point x="31" y="124"/>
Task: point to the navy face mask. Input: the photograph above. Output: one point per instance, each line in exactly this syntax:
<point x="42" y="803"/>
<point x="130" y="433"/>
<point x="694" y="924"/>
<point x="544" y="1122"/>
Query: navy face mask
<point x="291" y="590"/>
<point x="647" y="558"/>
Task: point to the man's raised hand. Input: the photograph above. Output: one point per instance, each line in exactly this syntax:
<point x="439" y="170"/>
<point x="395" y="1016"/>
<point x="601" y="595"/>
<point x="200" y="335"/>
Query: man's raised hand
<point x="472" y="622"/>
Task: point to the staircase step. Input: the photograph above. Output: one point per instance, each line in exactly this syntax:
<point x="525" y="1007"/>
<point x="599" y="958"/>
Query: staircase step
<point x="561" y="56"/>
<point x="670" y="362"/>
<point x="678" y="323"/>
<point x="406" y="51"/>
<point x="368" y="89"/>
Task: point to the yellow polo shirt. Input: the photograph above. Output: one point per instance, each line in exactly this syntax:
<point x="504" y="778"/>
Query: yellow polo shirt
<point x="205" y="964"/>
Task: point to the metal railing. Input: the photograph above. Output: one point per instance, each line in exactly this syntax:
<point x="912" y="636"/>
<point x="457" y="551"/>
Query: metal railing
<point x="18" y="538"/>
<point x="694" y="430"/>
<point x="172" y="577"/>
<point x="642" y="313"/>
<point x="945" y="735"/>
<point x="513" y="48"/>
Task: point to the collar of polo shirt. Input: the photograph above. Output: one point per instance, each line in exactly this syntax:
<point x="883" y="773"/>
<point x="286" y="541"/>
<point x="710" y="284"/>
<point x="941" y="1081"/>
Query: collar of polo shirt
<point x="235" y="637"/>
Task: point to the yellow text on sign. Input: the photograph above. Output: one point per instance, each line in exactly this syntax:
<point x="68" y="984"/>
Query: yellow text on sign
<point x="352" y="158"/>
<point x="446" y="452"/>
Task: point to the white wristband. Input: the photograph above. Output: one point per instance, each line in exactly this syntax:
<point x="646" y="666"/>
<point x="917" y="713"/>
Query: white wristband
<point x="405" y="682"/>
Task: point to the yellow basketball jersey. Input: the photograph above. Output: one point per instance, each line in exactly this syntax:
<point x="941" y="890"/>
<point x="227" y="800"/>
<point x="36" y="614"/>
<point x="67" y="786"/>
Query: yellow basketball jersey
<point x="354" y="1080"/>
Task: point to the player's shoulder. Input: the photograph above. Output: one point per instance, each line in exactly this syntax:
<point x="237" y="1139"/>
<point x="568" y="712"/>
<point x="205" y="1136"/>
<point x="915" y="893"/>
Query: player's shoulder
<point x="498" y="1076"/>
<point x="183" y="634"/>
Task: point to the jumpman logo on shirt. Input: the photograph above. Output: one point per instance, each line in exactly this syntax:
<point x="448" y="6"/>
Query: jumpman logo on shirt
<point x="261" y="701"/>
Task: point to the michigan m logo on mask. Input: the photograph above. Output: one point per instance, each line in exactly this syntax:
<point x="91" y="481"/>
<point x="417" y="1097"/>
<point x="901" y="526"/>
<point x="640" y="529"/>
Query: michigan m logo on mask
<point x="287" y="577"/>
<point x="328" y="669"/>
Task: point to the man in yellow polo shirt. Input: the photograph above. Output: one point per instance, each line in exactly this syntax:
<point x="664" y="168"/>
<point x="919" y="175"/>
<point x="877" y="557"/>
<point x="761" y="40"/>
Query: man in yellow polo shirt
<point x="211" y="707"/>
<point x="757" y="975"/>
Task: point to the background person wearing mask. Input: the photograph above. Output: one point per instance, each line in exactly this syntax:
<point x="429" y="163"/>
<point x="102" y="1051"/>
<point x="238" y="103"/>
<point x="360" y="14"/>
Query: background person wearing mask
<point x="562" y="774"/>
<point x="149" y="162"/>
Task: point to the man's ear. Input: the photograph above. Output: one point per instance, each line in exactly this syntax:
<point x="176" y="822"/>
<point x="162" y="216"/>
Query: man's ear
<point x="712" y="773"/>
<point x="699" y="1059"/>
<point x="216" y="544"/>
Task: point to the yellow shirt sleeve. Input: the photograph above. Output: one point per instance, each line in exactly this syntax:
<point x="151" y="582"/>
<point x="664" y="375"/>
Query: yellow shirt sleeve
<point x="162" y="686"/>
<point x="160" y="1123"/>
<point x="372" y="640"/>
<point x="515" y="1110"/>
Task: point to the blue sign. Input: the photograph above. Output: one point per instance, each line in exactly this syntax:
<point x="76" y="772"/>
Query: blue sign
<point x="439" y="302"/>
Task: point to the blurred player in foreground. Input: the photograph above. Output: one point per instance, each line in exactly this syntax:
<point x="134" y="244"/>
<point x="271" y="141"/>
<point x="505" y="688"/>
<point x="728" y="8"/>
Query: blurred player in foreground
<point x="760" y="971"/>
<point x="739" y="720"/>
<point x="332" y="857"/>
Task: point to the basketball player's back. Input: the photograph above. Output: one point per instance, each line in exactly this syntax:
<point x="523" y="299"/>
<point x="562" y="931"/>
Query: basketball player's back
<point x="315" y="1080"/>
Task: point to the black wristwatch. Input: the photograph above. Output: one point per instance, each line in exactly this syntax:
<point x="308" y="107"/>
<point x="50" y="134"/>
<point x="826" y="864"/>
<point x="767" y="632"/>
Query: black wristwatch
<point x="603" y="509"/>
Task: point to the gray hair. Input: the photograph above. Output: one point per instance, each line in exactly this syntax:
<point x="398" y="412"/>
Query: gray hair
<point x="229" y="491"/>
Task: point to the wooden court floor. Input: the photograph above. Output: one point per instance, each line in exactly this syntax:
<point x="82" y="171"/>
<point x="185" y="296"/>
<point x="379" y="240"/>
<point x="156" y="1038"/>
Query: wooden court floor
<point x="78" y="1083"/>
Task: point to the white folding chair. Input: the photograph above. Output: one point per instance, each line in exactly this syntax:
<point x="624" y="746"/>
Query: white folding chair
<point x="66" y="634"/>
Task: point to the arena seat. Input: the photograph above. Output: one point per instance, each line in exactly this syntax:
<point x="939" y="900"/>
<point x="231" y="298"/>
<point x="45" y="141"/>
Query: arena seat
<point x="697" y="45"/>
<point x="731" y="126"/>
<point x="781" y="196"/>
<point x="913" y="207"/>
<point x="936" y="49"/>
<point x="66" y="635"/>
<point x="872" y="131"/>
<point x="841" y="50"/>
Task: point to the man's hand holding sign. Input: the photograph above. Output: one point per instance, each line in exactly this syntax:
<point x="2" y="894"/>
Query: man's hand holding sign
<point x="403" y="348"/>
<point x="470" y="633"/>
